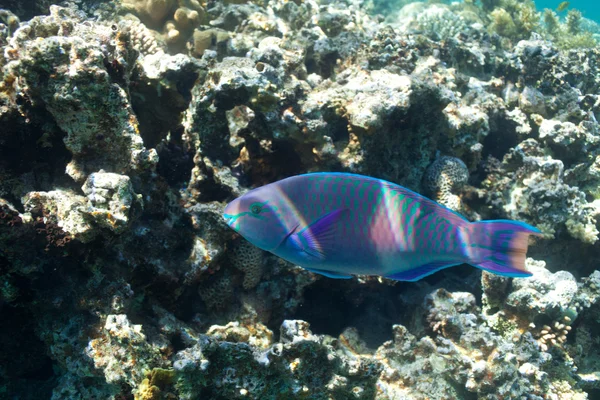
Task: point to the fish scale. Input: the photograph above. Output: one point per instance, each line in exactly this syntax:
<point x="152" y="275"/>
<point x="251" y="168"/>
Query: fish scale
<point x="339" y="225"/>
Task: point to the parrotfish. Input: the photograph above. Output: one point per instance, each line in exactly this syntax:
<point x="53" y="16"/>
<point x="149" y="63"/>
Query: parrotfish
<point x="563" y="6"/>
<point x="340" y="225"/>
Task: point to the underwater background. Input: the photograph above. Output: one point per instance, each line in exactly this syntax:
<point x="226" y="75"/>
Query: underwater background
<point x="589" y="9"/>
<point x="127" y="126"/>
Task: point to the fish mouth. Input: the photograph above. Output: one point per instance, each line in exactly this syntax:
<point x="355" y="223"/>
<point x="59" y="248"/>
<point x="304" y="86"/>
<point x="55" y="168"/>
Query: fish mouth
<point x="228" y="218"/>
<point x="230" y="221"/>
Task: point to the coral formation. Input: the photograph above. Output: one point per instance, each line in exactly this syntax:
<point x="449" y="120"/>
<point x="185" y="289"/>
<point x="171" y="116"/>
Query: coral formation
<point x="126" y="127"/>
<point x="570" y="34"/>
<point x="537" y="192"/>
<point x="573" y="21"/>
<point x="122" y="351"/>
<point x="141" y="37"/>
<point x="440" y="22"/>
<point x="110" y="198"/>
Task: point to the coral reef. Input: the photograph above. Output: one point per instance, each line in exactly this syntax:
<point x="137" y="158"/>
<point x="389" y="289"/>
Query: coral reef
<point x="127" y="125"/>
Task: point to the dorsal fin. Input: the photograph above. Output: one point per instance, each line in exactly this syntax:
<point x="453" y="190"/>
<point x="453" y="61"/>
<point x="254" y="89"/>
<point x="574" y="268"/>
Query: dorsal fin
<point x="427" y="205"/>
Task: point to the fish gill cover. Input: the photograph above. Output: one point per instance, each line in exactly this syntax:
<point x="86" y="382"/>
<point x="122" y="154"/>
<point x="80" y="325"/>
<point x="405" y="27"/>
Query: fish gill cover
<point x="127" y="126"/>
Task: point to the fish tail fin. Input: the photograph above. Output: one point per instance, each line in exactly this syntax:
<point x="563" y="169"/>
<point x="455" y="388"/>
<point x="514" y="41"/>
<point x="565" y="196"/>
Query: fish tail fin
<point x="499" y="246"/>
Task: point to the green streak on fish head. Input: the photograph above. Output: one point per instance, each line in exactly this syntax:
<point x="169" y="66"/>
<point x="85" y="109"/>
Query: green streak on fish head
<point x="258" y="217"/>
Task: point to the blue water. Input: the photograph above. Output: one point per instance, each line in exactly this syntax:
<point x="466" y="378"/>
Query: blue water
<point x="589" y="8"/>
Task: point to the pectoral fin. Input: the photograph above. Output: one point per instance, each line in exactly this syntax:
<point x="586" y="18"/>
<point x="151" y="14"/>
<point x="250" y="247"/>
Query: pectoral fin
<point x="319" y="238"/>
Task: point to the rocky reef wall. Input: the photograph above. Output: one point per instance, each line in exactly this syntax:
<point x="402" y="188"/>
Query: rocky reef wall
<point x="126" y="126"/>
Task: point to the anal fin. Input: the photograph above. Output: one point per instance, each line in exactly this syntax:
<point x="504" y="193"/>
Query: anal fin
<point x="420" y="272"/>
<point x="329" y="274"/>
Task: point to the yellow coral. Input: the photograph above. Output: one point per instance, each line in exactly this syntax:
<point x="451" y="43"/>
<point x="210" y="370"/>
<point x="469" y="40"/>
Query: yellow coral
<point x="502" y="23"/>
<point x="206" y="39"/>
<point x="551" y="21"/>
<point x="514" y="19"/>
<point x="146" y="391"/>
<point x="573" y="22"/>
<point x="151" y="12"/>
<point x="568" y="35"/>
<point x="152" y="387"/>
<point x="177" y="19"/>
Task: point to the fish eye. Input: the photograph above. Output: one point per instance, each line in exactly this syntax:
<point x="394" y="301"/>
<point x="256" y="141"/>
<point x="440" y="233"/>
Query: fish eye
<point x="255" y="208"/>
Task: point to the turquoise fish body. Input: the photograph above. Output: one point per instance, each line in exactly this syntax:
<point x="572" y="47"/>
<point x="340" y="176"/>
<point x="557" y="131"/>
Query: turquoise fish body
<point x="340" y="224"/>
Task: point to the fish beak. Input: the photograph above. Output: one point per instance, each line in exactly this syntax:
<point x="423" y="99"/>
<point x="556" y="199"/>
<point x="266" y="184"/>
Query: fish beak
<point x="228" y="218"/>
<point x="231" y="213"/>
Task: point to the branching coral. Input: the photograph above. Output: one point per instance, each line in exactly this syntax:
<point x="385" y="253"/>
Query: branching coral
<point x="569" y="35"/>
<point x="551" y="21"/>
<point x="140" y="36"/>
<point x="555" y="334"/>
<point x="152" y="12"/>
<point x="513" y="19"/>
<point x="440" y="22"/>
<point x="573" y="22"/>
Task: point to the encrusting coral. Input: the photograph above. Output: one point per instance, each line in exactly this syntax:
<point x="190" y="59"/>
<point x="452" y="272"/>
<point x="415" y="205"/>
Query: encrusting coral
<point x="248" y="259"/>
<point x="218" y="293"/>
